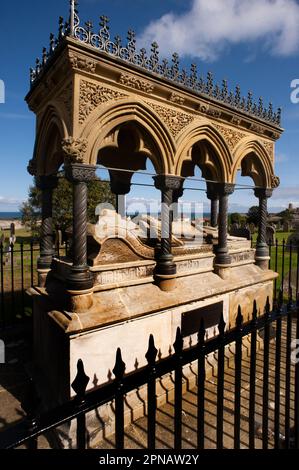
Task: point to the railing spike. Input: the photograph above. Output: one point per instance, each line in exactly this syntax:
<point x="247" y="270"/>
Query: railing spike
<point x="239" y="318"/>
<point x="152" y="351"/>
<point x="221" y="325"/>
<point x="81" y="381"/>
<point x="179" y="341"/>
<point x="120" y="366"/>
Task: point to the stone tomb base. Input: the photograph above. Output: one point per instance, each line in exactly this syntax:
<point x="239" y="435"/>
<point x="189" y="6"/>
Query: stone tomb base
<point x="125" y="318"/>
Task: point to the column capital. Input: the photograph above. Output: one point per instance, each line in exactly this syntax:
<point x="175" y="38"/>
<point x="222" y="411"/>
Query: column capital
<point x="224" y="189"/>
<point x="168" y="182"/>
<point x="80" y="172"/>
<point x="45" y="182"/>
<point x="120" y="183"/>
<point x="263" y="193"/>
<point x="32" y="167"/>
<point x="212" y="192"/>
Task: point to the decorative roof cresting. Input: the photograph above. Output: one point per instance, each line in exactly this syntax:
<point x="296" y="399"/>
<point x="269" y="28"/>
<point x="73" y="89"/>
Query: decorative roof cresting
<point x="151" y="63"/>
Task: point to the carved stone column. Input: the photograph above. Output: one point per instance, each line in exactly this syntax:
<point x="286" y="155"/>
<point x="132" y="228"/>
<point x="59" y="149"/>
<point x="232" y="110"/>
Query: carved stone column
<point x="212" y="194"/>
<point x="262" y="249"/>
<point x="166" y="269"/>
<point x="222" y="256"/>
<point x="80" y="278"/>
<point x="46" y="184"/>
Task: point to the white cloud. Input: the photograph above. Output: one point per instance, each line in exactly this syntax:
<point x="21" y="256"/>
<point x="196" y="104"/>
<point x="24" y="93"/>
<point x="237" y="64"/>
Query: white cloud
<point x="10" y="201"/>
<point x="210" y="26"/>
<point x="281" y="158"/>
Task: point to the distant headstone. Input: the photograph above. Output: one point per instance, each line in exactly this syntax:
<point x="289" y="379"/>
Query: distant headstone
<point x="270" y="234"/>
<point x="242" y="232"/>
<point x="286" y="226"/>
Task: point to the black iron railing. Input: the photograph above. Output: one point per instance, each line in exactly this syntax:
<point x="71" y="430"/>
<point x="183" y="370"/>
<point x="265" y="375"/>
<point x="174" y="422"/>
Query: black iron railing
<point x="277" y="328"/>
<point x="17" y="274"/>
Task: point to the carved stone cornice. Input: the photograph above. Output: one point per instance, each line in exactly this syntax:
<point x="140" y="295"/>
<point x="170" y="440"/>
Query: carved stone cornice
<point x="175" y="98"/>
<point x="135" y="82"/>
<point x="80" y="173"/>
<point x="175" y="120"/>
<point x="231" y="136"/>
<point x="93" y="95"/>
<point x="81" y="62"/>
<point x="32" y="167"/>
<point x="74" y="150"/>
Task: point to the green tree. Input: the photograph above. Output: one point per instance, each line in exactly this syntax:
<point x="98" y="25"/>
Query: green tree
<point x="286" y="215"/>
<point x="253" y="215"/>
<point x="235" y="218"/>
<point x="98" y="192"/>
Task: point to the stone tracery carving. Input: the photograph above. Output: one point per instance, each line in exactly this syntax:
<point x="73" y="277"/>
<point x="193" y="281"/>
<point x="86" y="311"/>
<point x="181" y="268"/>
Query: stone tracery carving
<point x="269" y="146"/>
<point x="231" y="136"/>
<point x="92" y="95"/>
<point x="175" y="120"/>
<point x="66" y="97"/>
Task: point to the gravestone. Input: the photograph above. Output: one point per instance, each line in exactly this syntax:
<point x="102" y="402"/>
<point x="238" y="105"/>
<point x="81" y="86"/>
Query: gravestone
<point x="270" y="234"/>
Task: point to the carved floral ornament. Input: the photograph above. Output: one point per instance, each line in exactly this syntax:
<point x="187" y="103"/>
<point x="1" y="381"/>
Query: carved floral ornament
<point x="175" y="120"/>
<point x="231" y="136"/>
<point x="82" y="63"/>
<point x="92" y="95"/>
<point x="74" y="150"/>
<point x="275" y="181"/>
<point x="135" y="82"/>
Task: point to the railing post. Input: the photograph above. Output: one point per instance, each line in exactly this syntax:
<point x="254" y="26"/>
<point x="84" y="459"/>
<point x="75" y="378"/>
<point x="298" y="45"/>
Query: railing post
<point x="277" y="437"/>
<point x="297" y="382"/>
<point x="79" y="385"/>
<point x="178" y="393"/>
<point x="288" y="375"/>
<point x="265" y="425"/>
<point x="30" y="404"/>
<point x="151" y="356"/>
<point x="119" y="371"/>
<point x="220" y="382"/>
<point x="238" y="378"/>
<point x="252" y="391"/>
<point x="2" y="318"/>
<point x="201" y="387"/>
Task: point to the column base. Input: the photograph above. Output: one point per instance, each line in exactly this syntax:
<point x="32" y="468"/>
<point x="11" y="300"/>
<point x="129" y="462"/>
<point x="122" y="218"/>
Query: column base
<point x="166" y="283"/>
<point x="223" y="260"/>
<point x="42" y="275"/>
<point x="79" y="280"/>
<point x="80" y="301"/>
<point x="262" y="262"/>
<point x="223" y="270"/>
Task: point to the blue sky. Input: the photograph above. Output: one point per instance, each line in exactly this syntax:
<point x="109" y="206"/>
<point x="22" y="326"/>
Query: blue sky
<point x="254" y="43"/>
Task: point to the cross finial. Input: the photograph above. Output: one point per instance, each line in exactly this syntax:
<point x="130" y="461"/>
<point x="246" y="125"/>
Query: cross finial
<point x="73" y="12"/>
